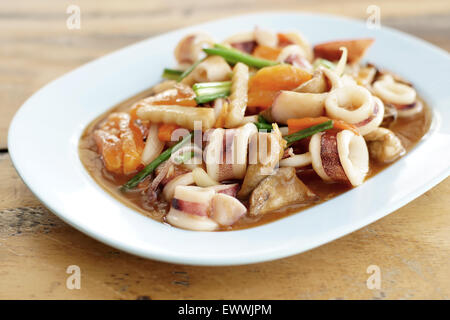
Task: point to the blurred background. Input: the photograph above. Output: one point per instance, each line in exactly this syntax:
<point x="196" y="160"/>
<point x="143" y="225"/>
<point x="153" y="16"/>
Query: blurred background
<point x="36" y="46"/>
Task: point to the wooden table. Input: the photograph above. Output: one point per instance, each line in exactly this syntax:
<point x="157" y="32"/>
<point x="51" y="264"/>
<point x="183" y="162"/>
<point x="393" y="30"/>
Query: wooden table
<point x="411" y="246"/>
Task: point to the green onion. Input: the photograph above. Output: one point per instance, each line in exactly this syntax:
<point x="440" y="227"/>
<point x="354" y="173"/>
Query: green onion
<point x="305" y="133"/>
<point x="261" y="119"/>
<point x="209" y="91"/>
<point x="144" y="173"/>
<point x="211" y="97"/>
<point x="233" y="56"/>
<point x="171" y="74"/>
<point x="189" y="70"/>
<point x="263" y="126"/>
<point x="324" y="62"/>
<point x="184" y="157"/>
<point x="207" y="85"/>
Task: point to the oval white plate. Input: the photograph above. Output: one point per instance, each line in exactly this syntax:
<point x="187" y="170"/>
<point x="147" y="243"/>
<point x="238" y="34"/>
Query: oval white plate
<point x="43" y="142"/>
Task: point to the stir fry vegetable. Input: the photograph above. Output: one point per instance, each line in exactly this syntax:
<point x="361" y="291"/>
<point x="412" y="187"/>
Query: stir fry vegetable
<point x="272" y="111"/>
<point x="234" y="56"/>
<point x="210" y="91"/>
<point x="189" y="70"/>
<point x="171" y="74"/>
<point x="144" y="173"/>
<point x="308" y="132"/>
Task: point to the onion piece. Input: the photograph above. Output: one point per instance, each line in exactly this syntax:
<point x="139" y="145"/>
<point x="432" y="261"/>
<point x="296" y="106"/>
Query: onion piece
<point x="342" y="62"/>
<point x="298" y="160"/>
<point x="202" y="179"/>
<point x="153" y="146"/>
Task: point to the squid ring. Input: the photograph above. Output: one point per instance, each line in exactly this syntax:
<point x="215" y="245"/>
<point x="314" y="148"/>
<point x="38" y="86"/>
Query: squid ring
<point x="394" y="92"/>
<point x="354" y="156"/>
<point x="374" y="121"/>
<point x="410" y="109"/>
<point x="340" y="157"/>
<point x="349" y="103"/>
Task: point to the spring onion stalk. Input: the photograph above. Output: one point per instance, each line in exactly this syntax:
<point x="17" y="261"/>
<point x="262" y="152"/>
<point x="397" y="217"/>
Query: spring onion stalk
<point x="305" y="133"/>
<point x="209" y="91"/>
<point x="325" y="63"/>
<point x="189" y="70"/>
<point x="261" y="119"/>
<point x="211" y="97"/>
<point x="171" y="74"/>
<point x="184" y="157"/>
<point x="144" y="173"/>
<point x="263" y="126"/>
<point x="233" y="56"/>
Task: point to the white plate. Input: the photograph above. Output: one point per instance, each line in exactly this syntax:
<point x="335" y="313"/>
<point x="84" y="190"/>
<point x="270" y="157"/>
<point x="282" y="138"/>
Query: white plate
<point x="43" y="142"/>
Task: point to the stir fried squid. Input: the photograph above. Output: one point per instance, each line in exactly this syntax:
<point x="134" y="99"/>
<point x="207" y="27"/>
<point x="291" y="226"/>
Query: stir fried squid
<point x="259" y="124"/>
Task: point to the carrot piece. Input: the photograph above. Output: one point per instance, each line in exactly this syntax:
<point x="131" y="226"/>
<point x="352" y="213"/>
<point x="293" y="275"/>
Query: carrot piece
<point x="283" y="40"/>
<point x="165" y="131"/>
<point x="261" y="98"/>
<point x="266" y="52"/>
<point x="295" y="125"/>
<point x="342" y="125"/>
<point x="265" y="84"/>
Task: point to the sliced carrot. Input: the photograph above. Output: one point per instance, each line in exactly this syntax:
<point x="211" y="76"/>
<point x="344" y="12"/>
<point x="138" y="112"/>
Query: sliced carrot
<point x="342" y="125"/>
<point x="265" y="84"/>
<point x="165" y="131"/>
<point x="283" y="40"/>
<point x="261" y="98"/>
<point x="295" y="125"/>
<point x="266" y="52"/>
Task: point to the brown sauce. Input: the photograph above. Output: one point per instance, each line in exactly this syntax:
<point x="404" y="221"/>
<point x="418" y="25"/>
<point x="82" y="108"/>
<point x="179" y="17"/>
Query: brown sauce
<point x="409" y="130"/>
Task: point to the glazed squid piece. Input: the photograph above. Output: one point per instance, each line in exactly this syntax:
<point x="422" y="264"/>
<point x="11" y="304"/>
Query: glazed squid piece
<point x="190" y="48"/>
<point x="203" y="209"/>
<point x="384" y="146"/>
<point x="340" y="157"/>
<point x="265" y="152"/>
<point x="355" y="105"/>
<point x="402" y="96"/>
<point x="283" y="188"/>
<point x="226" y="152"/>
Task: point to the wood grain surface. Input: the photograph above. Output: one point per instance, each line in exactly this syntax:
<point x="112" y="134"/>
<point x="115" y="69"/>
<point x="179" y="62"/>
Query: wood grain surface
<point x="411" y="246"/>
